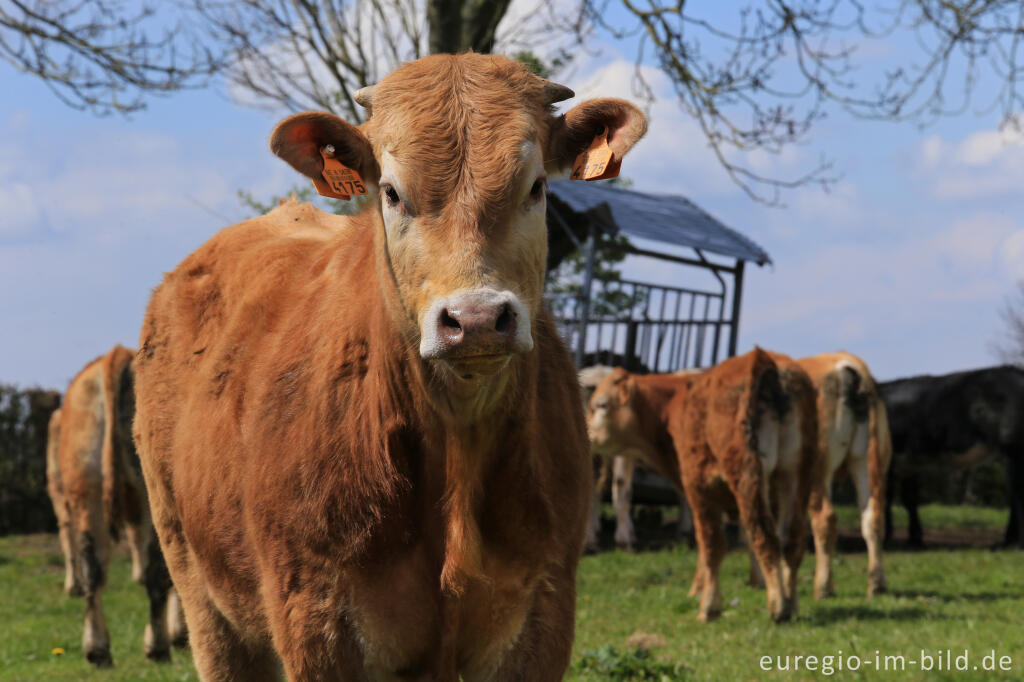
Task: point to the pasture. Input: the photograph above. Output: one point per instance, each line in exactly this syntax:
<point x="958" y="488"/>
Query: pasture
<point x="956" y="596"/>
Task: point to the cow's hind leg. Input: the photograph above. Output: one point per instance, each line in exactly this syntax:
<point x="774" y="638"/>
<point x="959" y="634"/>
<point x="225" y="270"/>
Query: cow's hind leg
<point x="72" y="584"/>
<point x="138" y="536"/>
<point x="909" y="493"/>
<point x="825" y="529"/>
<point x="790" y="502"/>
<point x="747" y="487"/>
<point x="176" y="627"/>
<point x="157" y="581"/>
<point x="707" y="521"/>
<point x="94" y="548"/>
<point x="870" y="503"/>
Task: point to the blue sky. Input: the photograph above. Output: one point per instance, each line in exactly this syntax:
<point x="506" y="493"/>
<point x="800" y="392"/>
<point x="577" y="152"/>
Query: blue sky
<point x="905" y="262"/>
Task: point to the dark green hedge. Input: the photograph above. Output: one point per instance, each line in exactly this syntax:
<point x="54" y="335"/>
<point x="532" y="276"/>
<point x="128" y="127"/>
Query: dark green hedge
<point x="24" y="417"/>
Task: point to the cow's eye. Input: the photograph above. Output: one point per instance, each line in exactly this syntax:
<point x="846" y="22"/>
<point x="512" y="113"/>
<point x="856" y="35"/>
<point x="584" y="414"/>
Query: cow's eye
<point x="537" y="190"/>
<point x="390" y="195"/>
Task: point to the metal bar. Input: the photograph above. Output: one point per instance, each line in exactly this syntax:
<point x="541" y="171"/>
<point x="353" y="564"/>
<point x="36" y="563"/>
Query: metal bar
<point x="679" y="259"/>
<point x="588" y="281"/>
<point x="689" y="332"/>
<point x="737" y="297"/>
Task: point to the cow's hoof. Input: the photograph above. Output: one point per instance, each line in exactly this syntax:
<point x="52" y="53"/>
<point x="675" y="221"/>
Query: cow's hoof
<point x="180" y="641"/>
<point x="708" y="616"/>
<point x="159" y="655"/>
<point x="74" y="590"/>
<point x="100" y="658"/>
<point x="876" y="588"/>
<point x="824" y="592"/>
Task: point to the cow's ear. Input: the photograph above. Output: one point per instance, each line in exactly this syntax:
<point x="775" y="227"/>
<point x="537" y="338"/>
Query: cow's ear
<point x="576" y="130"/>
<point x="299" y="138"/>
<point x="624" y="385"/>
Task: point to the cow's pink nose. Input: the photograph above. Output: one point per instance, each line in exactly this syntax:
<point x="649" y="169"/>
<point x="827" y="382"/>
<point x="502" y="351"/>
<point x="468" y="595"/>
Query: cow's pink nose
<point x="480" y="327"/>
<point x="475" y="323"/>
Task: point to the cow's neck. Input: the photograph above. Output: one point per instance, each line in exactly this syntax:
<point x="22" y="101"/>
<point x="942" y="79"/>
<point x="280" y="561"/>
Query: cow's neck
<point x="462" y="422"/>
<point x="652" y="408"/>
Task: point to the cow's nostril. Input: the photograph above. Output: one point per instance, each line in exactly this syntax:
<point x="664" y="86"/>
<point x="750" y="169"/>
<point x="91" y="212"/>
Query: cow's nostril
<point x="448" y="321"/>
<point x="504" y="320"/>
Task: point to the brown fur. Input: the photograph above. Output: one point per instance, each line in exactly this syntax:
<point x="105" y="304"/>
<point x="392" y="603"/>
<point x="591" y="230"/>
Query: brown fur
<point x="61" y="507"/>
<point x="701" y="432"/>
<point x="96" y="493"/>
<point x="848" y="399"/>
<point x="324" y="495"/>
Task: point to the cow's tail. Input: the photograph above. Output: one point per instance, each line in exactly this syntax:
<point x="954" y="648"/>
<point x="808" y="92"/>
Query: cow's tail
<point x="880" y="440"/>
<point x="118" y="448"/>
<point x="767" y="400"/>
<point x="860" y="395"/>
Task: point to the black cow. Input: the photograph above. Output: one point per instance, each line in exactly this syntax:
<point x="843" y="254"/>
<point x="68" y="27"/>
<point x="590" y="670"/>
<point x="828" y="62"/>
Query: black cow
<point x="954" y="422"/>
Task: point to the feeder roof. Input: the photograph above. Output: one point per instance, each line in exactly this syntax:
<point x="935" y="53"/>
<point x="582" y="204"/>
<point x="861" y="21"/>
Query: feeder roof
<point x="664" y="218"/>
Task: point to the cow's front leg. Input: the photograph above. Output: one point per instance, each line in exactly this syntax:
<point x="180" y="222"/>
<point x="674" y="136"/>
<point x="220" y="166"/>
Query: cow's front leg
<point x="542" y="650"/>
<point x="622" y="499"/>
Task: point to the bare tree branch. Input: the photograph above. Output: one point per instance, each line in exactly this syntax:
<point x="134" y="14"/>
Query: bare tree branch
<point x="1010" y="346"/>
<point x="102" y="55"/>
<point x="763" y="83"/>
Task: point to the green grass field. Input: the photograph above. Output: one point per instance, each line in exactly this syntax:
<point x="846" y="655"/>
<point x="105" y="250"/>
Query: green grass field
<point x="952" y="599"/>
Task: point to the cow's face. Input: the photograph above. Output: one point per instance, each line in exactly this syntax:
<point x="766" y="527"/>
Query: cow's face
<point x="611" y="417"/>
<point x="457" y="152"/>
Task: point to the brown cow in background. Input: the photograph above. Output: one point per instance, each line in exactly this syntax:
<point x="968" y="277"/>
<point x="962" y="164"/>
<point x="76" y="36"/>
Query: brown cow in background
<point x="97" y="491"/>
<point x="790" y="453"/>
<point x="854" y="440"/>
<point x="362" y="436"/>
<point x="703" y="432"/>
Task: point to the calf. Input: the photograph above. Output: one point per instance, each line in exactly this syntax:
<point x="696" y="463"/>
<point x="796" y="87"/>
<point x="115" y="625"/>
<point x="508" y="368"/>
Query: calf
<point x="854" y="440"/>
<point x="97" y="491"/>
<point x="703" y="433"/>
<point x="616" y="470"/>
<point x="362" y="435"/>
<point x="953" y="422"/>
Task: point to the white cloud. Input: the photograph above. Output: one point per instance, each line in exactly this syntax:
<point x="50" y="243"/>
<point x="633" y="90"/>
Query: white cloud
<point x="985" y="164"/>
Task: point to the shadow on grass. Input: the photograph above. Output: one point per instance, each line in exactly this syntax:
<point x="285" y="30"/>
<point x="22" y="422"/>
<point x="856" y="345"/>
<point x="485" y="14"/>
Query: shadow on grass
<point x="947" y="598"/>
<point x="4" y="559"/>
<point x="826" y="615"/>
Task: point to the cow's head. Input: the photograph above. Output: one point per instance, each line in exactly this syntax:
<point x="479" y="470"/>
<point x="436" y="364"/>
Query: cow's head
<point x="456" y="154"/>
<point x="611" y="415"/>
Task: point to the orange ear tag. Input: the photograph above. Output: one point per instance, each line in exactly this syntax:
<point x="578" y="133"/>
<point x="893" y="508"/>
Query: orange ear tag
<point x="595" y="162"/>
<point x="339" y="181"/>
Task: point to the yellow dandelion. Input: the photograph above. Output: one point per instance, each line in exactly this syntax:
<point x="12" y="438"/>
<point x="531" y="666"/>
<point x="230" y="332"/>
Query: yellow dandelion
<point x="57" y="651"/>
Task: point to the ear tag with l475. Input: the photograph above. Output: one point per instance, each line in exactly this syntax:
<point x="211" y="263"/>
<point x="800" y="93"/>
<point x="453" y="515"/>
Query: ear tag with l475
<point x="338" y="181"/>
<point x="596" y="162"/>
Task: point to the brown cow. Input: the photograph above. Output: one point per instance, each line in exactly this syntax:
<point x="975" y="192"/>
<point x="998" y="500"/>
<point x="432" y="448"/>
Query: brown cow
<point x="854" y="438"/>
<point x="363" y="436"/>
<point x="796" y="466"/>
<point x="703" y="432"/>
<point x="97" y="491"/>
